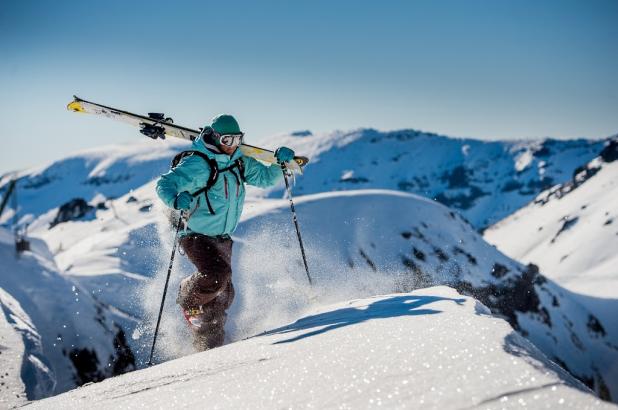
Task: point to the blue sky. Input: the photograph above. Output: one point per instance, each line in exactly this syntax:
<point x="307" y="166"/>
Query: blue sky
<point x="485" y="69"/>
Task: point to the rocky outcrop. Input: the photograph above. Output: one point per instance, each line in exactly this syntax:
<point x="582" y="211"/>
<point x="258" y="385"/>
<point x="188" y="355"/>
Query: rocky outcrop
<point x="74" y="209"/>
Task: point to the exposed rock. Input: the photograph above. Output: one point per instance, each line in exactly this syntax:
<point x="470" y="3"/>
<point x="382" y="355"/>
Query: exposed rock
<point x="74" y="209"/>
<point x="124" y="361"/>
<point x="595" y="327"/>
<point x="463" y="200"/>
<point x="512" y="185"/>
<point x="610" y="152"/>
<point x="418" y="254"/>
<point x="513" y="294"/>
<point x="457" y="177"/>
<point x="86" y="364"/>
<point x="443" y="257"/>
<point x="566" y="225"/>
<point x="470" y="258"/>
<point x="102" y="180"/>
<point x="368" y="260"/>
<point x="37" y="182"/>
<point x="499" y="271"/>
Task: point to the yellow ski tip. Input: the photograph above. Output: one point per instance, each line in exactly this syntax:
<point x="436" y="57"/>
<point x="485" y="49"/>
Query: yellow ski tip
<point x="76" y="106"/>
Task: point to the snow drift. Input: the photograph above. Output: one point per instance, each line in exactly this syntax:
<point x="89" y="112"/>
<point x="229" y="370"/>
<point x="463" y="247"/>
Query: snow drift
<point x="431" y="348"/>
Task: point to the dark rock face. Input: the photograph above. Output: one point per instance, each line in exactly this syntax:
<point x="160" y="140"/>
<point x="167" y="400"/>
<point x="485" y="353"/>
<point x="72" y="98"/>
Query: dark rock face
<point x="37" y="182"/>
<point x="124" y="361"/>
<point x="74" y="209"/>
<point x="88" y="368"/>
<point x="595" y="327"/>
<point x="86" y="364"/>
<point x="544" y="151"/>
<point x="457" y="177"/>
<point x="580" y="175"/>
<point x="567" y="224"/>
<point x="532" y="304"/>
<point x="461" y="201"/>
<point x="499" y="271"/>
<point x="513" y="294"/>
<point x="103" y="180"/>
<point x="512" y="185"/>
<point x="610" y="152"/>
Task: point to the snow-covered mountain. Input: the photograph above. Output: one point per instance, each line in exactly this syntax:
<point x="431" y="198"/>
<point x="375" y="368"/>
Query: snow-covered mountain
<point x="66" y="336"/>
<point x="429" y="349"/>
<point x="98" y="215"/>
<point x="571" y="232"/>
<point x="484" y="180"/>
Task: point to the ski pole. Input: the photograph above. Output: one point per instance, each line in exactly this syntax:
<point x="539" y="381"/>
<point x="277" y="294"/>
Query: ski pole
<point x="167" y="280"/>
<point x="300" y="239"/>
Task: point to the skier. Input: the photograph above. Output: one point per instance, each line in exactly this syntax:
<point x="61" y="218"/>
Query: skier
<point x="207" y="184"/>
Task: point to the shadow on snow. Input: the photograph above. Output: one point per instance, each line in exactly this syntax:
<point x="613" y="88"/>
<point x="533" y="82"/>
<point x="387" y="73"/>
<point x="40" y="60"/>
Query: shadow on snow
<point x="408" y="305"/>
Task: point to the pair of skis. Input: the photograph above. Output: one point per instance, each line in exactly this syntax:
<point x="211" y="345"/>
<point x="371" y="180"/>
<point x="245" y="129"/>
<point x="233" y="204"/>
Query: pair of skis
<point x="157" y="125"/>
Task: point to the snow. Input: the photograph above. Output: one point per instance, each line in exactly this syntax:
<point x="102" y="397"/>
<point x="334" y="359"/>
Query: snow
<point x="484" y="180"/>
<point x="12" y="350"/>
<point x="583" y="256"/>
<point x="431" y="348"/>
<point x="360" y="242"/>
<point x="54" y="317"/>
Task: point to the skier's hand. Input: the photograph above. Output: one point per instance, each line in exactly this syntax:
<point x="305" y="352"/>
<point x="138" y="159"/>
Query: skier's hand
<point x="183" y="201"/>
<point x="284" y="154"/>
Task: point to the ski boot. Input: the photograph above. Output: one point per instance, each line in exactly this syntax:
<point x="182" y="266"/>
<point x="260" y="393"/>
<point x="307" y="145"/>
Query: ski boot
<point x="194" y="317"/>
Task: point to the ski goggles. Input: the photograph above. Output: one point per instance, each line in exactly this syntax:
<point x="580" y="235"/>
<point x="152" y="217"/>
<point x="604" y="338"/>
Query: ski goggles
<point x="230" y="140"/>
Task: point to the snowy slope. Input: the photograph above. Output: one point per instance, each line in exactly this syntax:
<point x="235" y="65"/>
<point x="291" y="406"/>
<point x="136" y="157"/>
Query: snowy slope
<point x="427" y="349"/>
<point x="379" y="241"/>
<point x="359" y="243"/>
<point x="484" y="180"/>
<point x="12" y="350"/>
<point x="571" y="233"/>
<point x="67" y="337"/>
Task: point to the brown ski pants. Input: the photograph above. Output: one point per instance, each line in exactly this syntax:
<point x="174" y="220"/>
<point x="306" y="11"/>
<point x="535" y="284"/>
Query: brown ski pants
<point x="209" y="290"/>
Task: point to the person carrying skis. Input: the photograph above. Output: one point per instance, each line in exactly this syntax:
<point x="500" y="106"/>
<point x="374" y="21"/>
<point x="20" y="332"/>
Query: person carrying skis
<point x="208" y="185"/>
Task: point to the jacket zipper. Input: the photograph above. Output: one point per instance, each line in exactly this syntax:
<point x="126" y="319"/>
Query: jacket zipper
<point x="225" y="185"/>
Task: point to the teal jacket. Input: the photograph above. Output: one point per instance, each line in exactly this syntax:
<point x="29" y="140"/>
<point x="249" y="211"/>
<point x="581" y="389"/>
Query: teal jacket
<point x="227" y="196"/>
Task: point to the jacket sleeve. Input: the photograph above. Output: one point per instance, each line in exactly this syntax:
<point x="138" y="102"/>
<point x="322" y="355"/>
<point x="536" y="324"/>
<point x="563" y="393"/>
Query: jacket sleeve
<point x="261" y="175"/>
<point x="180" y="178"/>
